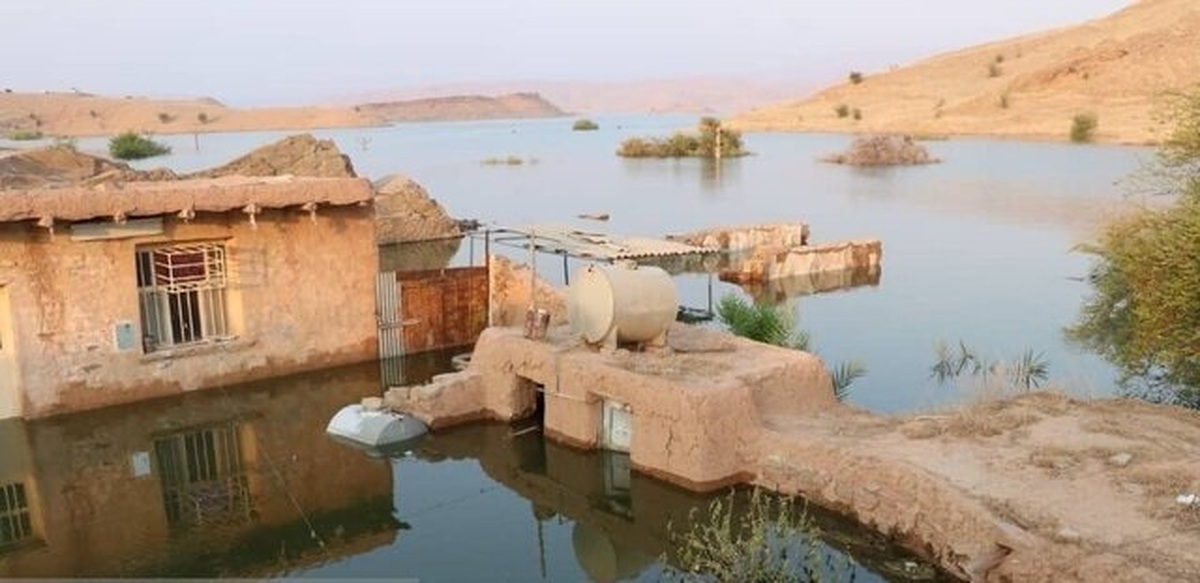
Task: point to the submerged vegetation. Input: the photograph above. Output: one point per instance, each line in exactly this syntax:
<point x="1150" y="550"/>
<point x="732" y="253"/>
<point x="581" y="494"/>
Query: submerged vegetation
<point x="883" y="150"/>
<point x="711" y="140"/>
<point x="1026" y="372"/>
<point x="25" y="135"/>
<point x="509" y="160"/>
<point x="1144" y="314"/>
<point x="134" y="146"/>
<point x="773" y="541"/>
<point x="776" y="326"/>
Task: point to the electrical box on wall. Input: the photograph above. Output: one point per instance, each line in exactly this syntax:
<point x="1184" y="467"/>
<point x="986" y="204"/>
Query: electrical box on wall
<point x="123" y="336"/>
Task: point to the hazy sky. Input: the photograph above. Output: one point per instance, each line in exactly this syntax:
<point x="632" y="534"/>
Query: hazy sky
<point x="295" y="51"/>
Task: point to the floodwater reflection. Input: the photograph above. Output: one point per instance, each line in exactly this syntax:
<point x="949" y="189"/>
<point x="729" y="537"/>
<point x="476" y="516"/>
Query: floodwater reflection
<point x="205" y="484"/>
<point x="243" y="482"/>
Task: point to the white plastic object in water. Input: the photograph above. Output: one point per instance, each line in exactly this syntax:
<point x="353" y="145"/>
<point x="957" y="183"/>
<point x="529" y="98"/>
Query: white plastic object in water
<point x="374" y="428"/>
<point x="621" y="304"/>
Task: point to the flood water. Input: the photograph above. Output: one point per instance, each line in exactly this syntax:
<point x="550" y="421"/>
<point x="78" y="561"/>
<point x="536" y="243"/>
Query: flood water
<point x="977" y="249"/>
<point x="243" y="482"/>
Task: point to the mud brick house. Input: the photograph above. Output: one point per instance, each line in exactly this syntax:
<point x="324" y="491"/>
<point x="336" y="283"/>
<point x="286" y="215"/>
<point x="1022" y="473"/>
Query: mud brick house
<point x="119" y="293"/>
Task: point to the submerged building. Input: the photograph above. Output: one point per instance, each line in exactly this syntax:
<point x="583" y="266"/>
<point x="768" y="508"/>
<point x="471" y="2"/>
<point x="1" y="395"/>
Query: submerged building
<point x="126" y="292"/>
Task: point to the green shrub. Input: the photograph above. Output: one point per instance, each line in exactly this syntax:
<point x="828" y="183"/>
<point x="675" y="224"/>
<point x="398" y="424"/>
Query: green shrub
<point x="842" y="110"/>
<point x="1004" y="100"/>
<point x="165" y="117"/>
<point x="857" y="114"/>
<point x="702" y="144"/>
<point x="1083" y="128"/>
<point x="202" y="117"/>
<point x="995" y="70"/>
<point x="856" y="77"/>
<point x="24" y="135"/>
<point x="770" y="540"/>
<point x="585" y="125"/>
<point x="133" y="146"/>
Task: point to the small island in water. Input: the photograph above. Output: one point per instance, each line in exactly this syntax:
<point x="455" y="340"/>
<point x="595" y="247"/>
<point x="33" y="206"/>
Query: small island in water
<point x="711" y="140"/>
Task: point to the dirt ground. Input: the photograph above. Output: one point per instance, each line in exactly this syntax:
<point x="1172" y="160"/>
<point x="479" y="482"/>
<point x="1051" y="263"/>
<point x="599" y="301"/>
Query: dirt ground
<point x="1080" y="491"/>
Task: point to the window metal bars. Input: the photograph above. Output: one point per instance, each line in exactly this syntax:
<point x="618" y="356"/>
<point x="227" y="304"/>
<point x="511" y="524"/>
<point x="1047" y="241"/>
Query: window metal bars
<point x="181" y="295"/>
<point x="203" y="477"/>
<point x="16" y="525"/>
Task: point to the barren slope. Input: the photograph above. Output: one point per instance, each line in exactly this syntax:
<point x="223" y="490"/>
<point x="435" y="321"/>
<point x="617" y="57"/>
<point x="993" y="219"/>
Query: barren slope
<point x="82" y="114"/>
<point x="463" y="107"/>
<point x="1031" y="86"/>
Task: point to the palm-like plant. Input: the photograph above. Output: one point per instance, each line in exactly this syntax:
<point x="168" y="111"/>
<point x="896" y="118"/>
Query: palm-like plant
<point x="772" y="325"/>
<point x="761" y="323"/>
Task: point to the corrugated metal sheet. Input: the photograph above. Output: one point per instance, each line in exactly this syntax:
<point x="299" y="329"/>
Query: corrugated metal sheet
<point x="580" y="243"/>
<point x="387" y="303"/>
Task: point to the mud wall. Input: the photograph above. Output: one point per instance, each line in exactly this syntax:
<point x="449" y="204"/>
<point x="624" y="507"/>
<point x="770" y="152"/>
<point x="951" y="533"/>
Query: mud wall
<point x="511" y="294"/>
<point x="300" y="297"/>
<point x="695" y="416"/>
<point x="770" y="263"/>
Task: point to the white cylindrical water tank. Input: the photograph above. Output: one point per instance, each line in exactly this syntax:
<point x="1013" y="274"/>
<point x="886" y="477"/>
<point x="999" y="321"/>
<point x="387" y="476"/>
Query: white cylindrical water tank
<point x="617" y="303"/>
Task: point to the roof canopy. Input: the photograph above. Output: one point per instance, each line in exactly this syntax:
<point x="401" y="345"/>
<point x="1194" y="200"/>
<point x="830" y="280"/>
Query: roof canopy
<point x="575" y="242"/>
<point x="145" y="199"/>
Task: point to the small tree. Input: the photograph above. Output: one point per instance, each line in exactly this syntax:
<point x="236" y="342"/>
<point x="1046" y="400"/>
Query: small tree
<point x="133" y="146"/>
<point x="202" y="117"/>
<point x="165" y="117"/>
<point x="856" y="77"/>
<point x="995" y="70"/>
<point x="1143" y="315"/>
<point x="842" y="110"/>
<point x="1083" y="127"/>
<point x="857" y="114"/>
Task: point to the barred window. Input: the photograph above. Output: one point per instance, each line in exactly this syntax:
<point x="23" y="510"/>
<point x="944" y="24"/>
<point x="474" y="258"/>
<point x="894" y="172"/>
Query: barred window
<point x="203" y="477"/>
<point x="16" y="526"/>
<point x="181" y="293"/>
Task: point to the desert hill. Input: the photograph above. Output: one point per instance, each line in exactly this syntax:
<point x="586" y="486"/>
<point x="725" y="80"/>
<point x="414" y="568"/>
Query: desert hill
<point x="1032" y="86"/>
<point x="463" y="107"/>
<point x="82" y="114"/>
<point x="713" y="94"/>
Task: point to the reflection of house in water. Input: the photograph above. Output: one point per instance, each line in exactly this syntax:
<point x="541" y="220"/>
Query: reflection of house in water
<point x="123" y="294"/>
<point x="203" y="476"/>
<point x="202" y="484"/>
<point x="622" y="519"/>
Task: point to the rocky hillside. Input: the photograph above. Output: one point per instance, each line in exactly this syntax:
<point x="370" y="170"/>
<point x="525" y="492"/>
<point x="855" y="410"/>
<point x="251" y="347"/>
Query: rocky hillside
<point x="1032" y="86"/>
<point x="298" y="155"/>
<point x="56" y="167"/>
<point x="463" y="107"/>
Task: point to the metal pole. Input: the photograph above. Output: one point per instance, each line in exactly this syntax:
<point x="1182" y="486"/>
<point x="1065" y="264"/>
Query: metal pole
<point x="566" y="274"/>
<point x="710" y="309"/>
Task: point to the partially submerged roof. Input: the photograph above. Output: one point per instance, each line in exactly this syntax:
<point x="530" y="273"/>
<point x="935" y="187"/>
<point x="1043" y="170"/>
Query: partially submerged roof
<point x="593" y="245"/>
<point x="146" y="199"/>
